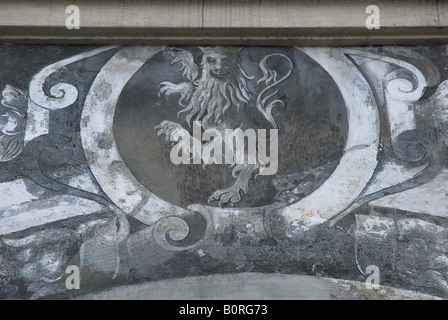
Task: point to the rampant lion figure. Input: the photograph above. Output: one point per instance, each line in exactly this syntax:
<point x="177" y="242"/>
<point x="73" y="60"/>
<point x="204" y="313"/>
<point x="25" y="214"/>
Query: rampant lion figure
<point x="217" y="84"/>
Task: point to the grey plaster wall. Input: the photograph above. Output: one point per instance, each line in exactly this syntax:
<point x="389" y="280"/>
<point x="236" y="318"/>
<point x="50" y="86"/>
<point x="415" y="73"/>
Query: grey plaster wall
<point x="86" y="179"/>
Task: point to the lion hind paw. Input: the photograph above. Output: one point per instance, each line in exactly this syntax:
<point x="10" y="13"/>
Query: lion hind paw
<point x="228" y="196"/>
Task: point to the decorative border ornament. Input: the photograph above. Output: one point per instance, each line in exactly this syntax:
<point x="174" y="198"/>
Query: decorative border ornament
<point x="397" y="141"/>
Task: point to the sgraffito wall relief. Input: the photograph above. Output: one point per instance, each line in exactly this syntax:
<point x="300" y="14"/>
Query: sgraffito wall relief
<point x="142" y="164"/>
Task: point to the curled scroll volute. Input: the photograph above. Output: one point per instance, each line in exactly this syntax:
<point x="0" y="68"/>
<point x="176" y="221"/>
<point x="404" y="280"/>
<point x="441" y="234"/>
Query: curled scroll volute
<point x="61" y="95"/>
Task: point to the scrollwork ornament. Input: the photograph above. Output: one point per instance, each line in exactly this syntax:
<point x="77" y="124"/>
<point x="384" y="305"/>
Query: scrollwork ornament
<point x="61" y="95"/>
<point x="175" y="233"/>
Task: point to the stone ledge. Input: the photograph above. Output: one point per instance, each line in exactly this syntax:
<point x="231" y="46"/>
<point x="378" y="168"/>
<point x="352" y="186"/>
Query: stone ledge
<point x="309" y="22"/>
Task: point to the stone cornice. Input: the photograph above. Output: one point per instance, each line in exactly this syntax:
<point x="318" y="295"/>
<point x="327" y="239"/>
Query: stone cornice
<point x="275" y="22"/>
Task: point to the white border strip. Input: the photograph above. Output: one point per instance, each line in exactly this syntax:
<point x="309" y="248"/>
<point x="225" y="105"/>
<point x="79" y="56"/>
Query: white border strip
<point x="106" y="164"/>
<point x="358" y="163"/>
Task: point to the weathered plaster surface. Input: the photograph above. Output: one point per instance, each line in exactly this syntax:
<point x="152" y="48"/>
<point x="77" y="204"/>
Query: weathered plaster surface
<point x="86" y="178"/>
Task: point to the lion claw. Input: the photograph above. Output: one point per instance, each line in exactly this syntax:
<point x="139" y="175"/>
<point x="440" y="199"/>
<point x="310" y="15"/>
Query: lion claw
<point x="227" y="196"/>
<point x="168" y="128"/>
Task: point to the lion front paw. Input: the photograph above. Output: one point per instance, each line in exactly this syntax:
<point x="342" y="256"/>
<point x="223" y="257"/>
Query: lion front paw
<point x="184" y="89"/>
<point x="171" y="130"/>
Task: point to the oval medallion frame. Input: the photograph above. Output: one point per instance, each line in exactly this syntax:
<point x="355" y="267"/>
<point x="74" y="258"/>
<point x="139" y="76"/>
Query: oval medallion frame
<point x="350" y="177"/>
